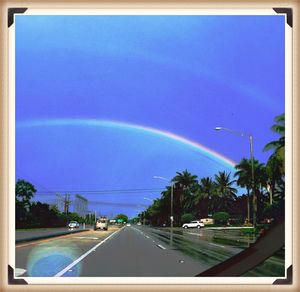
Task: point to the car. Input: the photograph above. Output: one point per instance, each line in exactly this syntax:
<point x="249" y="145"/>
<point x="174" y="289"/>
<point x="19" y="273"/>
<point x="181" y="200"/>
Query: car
<point x="101" y="223"/>
<point x="139" y="223"/>
<point x="128" y="224"/>
<point x="193" y="224"/>
<point x="73" y="224"/>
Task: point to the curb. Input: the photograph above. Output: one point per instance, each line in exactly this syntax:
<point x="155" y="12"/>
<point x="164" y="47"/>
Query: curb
<point x="227" y="228"/>
<point x="48" y="236"/>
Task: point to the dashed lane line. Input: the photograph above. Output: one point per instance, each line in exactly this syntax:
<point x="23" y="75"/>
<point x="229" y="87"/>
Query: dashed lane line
<point x="218" y="245"/>
<point x="160" y="246"/>
<point x="144" y="234"/>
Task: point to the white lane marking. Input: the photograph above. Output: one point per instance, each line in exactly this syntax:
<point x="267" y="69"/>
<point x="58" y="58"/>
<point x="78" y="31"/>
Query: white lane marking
<point x="59" y="274"/>
<point x="86" y="237"/>
<point x="141" y="232"/>
<point x="218" y="245"/>
<point x="194" y="233"/>
<point x="159" y="245"/>
<point x="162" y="247"/>
<point x="19" y="272"/>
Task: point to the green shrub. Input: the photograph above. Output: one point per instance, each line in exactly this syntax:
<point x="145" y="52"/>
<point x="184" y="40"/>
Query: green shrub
<point x="188" y="217"/>
<point x="220" y="217"/>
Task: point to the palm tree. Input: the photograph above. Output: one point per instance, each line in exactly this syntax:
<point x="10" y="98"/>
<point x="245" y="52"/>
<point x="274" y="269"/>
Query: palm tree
<point x="204" y="195"/>
<point x="278" y="145"/>
<point x="184" y="180"/>
<point x="244" y="178"/>
<point x="244" y="175"/>
<point x="273" y="170"/>
<point x="225" y="191"/>
<point x="278" y="128"/>
<point x="184" y="185"/>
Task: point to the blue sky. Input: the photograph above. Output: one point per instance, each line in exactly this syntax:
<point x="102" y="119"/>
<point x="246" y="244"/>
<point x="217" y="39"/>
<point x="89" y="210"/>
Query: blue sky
<point x="183" y="75"/>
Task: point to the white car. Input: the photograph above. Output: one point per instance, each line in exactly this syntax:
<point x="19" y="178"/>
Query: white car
<point x="101" y="223"/>
<point x="193" y="224"/>
<point x="73" y="224"/>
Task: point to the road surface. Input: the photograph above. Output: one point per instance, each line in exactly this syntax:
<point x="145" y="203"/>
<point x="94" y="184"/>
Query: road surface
<point x="134" y="251"/>
<point x="125" y="252"/>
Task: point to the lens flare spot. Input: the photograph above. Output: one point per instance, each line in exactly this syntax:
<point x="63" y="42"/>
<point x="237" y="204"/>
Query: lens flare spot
<point x="46" y="260"/>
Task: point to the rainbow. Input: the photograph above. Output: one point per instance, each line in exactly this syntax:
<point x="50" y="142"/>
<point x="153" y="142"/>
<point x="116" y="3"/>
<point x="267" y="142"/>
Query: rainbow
<point x="118" y="124"/>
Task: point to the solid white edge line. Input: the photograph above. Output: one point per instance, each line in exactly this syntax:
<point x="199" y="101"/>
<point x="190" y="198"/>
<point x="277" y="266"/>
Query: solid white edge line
<point x="66" y="269"/>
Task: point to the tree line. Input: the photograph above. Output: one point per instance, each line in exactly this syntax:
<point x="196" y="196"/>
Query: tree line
<point x="35" y="214"/>
<point x="31" y="214"/>
<point x="195" y="198"/>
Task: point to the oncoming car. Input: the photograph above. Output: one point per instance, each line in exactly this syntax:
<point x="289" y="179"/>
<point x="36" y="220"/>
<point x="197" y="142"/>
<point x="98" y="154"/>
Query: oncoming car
<point x="193" y="224"/>
<point x="73" y="224"/>
<point x="101" y="223"/>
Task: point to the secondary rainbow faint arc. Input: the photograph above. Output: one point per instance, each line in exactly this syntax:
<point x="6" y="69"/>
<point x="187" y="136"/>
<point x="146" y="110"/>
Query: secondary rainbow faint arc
<point x="114" y="123"/>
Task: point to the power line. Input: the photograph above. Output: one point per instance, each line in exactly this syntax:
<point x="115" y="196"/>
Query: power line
<point x="113" y="191"/>
<point x="66" y="201"/>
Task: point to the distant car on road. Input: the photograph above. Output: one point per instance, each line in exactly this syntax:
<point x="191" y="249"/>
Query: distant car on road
<point x="193" y="224"/>
<point x="73" y="224"/>
<point x="139" y="223"/>
<point x="128" y="224"/>
<point x="102" y="223"/>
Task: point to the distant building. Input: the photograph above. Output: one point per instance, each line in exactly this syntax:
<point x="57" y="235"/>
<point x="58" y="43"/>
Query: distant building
<point x="60" y="202"/>
<point x="72" y="203"/>
<point x="80" y="205"/>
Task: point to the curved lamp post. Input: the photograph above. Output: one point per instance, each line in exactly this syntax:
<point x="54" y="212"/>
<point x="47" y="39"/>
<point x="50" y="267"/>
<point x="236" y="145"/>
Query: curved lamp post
<point x="252" y="166"/>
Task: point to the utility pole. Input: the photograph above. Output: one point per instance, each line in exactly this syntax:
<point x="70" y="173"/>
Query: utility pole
<point x="67" y="203"/>
<point x="252" y="168"/>
<point x="253" y="184"/>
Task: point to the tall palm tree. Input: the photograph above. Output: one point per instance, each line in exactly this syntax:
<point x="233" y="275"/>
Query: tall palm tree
<point x="278" y="128"/>
<point x="204" y="195"/>
<point x="273" y="170"/>
<point x="185" y="179"/>
<point x="184" y="185"/>
<point x="244" y="179"/>
<point x="278" y="146"/>
<point x="224" y="189"/>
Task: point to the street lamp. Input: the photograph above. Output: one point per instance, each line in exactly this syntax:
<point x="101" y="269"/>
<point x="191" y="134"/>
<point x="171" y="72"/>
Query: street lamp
<point x="252" y="166"/>
<point x="172" y="186"/>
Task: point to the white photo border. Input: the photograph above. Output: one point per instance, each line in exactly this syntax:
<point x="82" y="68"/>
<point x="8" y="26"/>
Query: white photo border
<point x="152" y="280"/>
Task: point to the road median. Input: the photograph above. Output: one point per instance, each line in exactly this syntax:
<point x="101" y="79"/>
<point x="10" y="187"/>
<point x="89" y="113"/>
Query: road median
<point x="45" y="236"/>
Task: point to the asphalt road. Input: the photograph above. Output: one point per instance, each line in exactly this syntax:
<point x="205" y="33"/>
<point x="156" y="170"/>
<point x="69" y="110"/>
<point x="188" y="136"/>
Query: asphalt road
<point x="126" y="252"/>
<point x="135" y="251"/>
